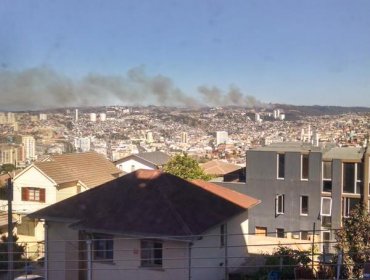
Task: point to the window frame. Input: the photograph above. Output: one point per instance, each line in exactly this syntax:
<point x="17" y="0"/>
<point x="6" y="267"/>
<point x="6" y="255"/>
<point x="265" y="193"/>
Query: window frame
<point x="279" y="231"/>
<point x="301" y="205"/>
<point x="279" y="204"/>
<point x="325" y="179"/>
<point x="155" y="247"/>
<point x="346" y="206"/>
<point x="33" y="194"/>
<point x="356" y="181"/>
<point x="330" y="206"/>
<point x="305" y="162"/>
<point x="106" y="241"/>
<point x="280" y="166"/>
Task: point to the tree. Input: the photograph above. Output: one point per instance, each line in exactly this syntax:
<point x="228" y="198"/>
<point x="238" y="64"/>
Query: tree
<point x="7" y="167"/>
<point x="18" y="253"/>
<point x="185" y="167"/>
<point x="354" y="242"/>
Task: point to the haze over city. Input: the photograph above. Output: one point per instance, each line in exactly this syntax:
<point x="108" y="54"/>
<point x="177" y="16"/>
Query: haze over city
<point x="183" y="53"/>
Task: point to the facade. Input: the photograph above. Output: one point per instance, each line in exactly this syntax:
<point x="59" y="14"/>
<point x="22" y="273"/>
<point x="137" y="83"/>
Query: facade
<point x="305" y="189"/>
<point x="45" y="183"/>
<point x="150" y="161"/>
<point x="9" y="154"/>
<point x="29" y="145"/>
<point x="162" y="239"/>
<point x="222" y="137"/>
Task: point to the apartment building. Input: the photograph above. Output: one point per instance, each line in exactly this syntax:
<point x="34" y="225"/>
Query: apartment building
<point x="305" y="188"/>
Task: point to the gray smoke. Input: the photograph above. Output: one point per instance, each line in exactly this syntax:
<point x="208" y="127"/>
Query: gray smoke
<point x="213" y="96"/>
<point x="42" y="88"/>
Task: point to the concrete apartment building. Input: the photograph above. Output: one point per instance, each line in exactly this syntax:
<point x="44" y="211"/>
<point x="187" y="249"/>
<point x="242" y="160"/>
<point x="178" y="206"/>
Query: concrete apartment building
<point x="301" y="185"/>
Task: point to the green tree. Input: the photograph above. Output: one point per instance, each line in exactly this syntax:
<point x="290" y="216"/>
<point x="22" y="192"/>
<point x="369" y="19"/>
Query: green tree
<point x="18" y="253"/>
<point x="354" y="242"/>
<point x="185" y="167"/>
<point x="7" y="167"/>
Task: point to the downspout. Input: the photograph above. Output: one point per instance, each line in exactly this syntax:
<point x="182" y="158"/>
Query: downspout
<point x="226" y="254"/>
<point x="46" y="251"/>
<point x="189" y="259"/>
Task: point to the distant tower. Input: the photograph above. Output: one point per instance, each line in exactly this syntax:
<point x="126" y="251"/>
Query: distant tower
<point x="184" y="137"/>
<point x="257" y="117"/>
<point x="102" y="117"/>
<point x="149" y="137"/>
<point x="92" y="117"/>
<point x="76" y="115"/>
<point x="29" y="147"/>
<point x="43" y="117"/>
<point x="221" y="137"/>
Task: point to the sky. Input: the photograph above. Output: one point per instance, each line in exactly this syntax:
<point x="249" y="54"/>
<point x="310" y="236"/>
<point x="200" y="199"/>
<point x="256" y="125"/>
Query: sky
<point x="189" y="52"/>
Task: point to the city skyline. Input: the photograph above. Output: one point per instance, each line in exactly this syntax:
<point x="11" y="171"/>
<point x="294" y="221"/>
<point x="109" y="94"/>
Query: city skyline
<point x="184" y="53"/>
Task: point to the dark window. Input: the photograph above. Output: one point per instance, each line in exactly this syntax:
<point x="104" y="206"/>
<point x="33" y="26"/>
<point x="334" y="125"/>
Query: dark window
<point x="352" y="178"/>
<point x="349" y="177"/>
<point x="304" y="205"/>
<point x="304" y="235"/>
<point x="103" y="247"/>
<point x="222" y="235"/>
<point x="280" y="233"/>
<point x="327" y="176"/>
<point x="279" y="204"/>
<point x="304" y="167"/>
<point x="151" y="253"/>
<point x="326" y="221"/>
<point x="349" y="204"/>
<point x="281" y="166"/>
<point x="33" y="194"/>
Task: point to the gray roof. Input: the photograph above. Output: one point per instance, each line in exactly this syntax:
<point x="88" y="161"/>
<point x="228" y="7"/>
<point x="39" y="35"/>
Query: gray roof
<point x="157" y="158"/>
<point x="289" y="147"/>
<point x="344" y="153"/>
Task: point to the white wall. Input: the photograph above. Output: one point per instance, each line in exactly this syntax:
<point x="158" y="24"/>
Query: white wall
<point x="127" y="166"/>
<point x="32" y="178"/>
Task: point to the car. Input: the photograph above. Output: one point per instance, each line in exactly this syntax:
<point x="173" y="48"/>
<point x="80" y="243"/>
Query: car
<point x="30" y="277"/>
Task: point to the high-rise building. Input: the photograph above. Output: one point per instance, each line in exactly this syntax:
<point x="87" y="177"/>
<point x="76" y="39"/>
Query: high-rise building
<point x="83" y="144"/>
<point x="184" y="137"/>
<point x="92" y="117"/>
<point x="8" y="154"/>
<point x="221" y="137"/>
<point x="149" y="137"/>
<point x="76" y="115"/>
<point x="29" y="145"/>
<point x="43" y="117"/>
<point x="102" y="117"/>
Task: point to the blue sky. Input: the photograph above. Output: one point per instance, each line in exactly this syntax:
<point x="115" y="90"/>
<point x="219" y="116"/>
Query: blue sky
<point x="298" y="52"/>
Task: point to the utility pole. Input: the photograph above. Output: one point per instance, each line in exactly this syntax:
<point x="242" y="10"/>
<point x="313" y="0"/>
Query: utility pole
<point x="10" y="229"/>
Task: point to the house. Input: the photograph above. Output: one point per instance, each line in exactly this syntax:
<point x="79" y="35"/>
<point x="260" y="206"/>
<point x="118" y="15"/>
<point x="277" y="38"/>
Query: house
<point x="305" y="189"/>
<point x="224" y="171"/>
<point x="147" y="225"/>
<point x="147" y="160"/>
<point x="56" y="178"/>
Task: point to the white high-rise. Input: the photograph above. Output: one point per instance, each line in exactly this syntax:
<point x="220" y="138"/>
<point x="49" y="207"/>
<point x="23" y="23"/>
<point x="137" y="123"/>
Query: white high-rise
<point x="222" y="137"/>
<point x="92" y="117"/>
<point x="29" y="146"/>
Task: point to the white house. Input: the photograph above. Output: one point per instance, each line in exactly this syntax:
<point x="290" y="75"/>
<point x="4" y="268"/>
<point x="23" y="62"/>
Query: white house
<point x="147" y="225"/>
<point x="57" y="178"/>
<point x="149" y="160"/>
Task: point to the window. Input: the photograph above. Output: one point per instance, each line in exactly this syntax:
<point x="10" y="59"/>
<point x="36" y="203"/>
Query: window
<point x="279" y="204"/>
<point x="348" y="204"/>
<point x="304" y="235"/>
<point x="33" y="194"/>
<point x="325" y="206"/>
<point x="222" y="235"/>
<point x="280" y="233"/>
<point x="327" y="176"/>
<point x="304" y="205"/>
<point x="352" y="177"/>
<point x="326" y="221"/>
<point x="304" y="167"/>
<point x="151" y="253"/>
<point x="103" y="247"/>
<point x="326" y="242"/>
<point x="281" y="166"/>
<point x="262" y="231"/>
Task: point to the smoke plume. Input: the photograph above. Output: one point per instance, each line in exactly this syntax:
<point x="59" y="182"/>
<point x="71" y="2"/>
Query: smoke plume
<point x="42" y="88"/>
